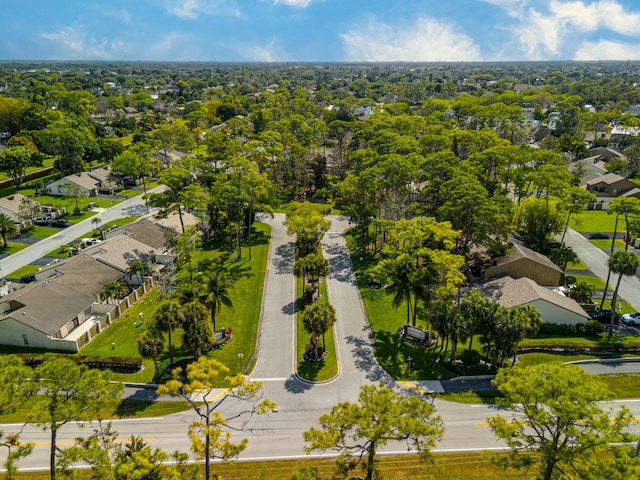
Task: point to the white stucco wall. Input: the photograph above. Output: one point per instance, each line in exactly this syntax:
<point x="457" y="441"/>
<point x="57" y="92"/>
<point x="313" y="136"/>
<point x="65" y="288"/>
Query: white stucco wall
<point x="11" y="333"/>
<point x="551" y="313"/>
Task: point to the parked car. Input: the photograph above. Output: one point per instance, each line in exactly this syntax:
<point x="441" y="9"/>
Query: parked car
<point x="41" y="220"/>
<point x="27" y="278"/>
<point x="631" y="318"/>
<point x="604" y="316"/>
<point x="61" y="223"/>
<point x="598" y="236"/>
<point x="87" y="242"/>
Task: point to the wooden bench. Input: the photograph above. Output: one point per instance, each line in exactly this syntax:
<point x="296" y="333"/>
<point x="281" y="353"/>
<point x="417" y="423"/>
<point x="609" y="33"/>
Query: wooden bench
<point x="415" y="335"/>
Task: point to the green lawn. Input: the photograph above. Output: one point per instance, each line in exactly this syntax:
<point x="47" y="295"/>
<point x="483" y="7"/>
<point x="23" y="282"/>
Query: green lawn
<point x="314" y="371"/>
<point x="577" y="266"/>
<point x="12" y="247"/>
<point x="591" y="280"/>
<point x="243" y="318"/>
<point x="129" y="193"/>
<point x="606" y="244"/>
<point x="594" y="221"/>
<point x="26" y="270"/>
<point x="126" y="409"/>
<point x="391" y="351"/>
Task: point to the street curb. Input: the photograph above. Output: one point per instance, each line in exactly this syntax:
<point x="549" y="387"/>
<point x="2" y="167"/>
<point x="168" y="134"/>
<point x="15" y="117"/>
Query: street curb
<point x="472" y="377"/>
<point x="608" y="360"/>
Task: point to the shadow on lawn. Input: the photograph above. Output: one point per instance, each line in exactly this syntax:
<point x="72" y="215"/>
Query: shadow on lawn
<point x="132" y="408"/>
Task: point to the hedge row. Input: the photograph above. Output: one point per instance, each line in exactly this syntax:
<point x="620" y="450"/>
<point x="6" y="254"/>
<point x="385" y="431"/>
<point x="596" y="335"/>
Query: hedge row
<point x="115" y="364"/>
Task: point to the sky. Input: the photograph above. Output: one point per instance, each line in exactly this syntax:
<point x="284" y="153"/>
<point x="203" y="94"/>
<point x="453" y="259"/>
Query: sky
<point x="320" y="30"/>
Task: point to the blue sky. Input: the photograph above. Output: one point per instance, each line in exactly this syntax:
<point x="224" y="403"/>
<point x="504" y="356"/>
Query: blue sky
<point x="320" y="30"/>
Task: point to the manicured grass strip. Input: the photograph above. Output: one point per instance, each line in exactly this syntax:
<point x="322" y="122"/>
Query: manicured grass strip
<point x="594" y="221"/>
<point x="529" y="359"/>
<point x="26" y="270"/>
<point x="606" y="244"/>
<point x="325" y="369"/>
<point x="577" y="266"/>
<point x="12" y="247"/>
<point x="129" y="193"/>
<point x="452" y="466"/>
<point x="470" y="398"/>
<point x="622" y="386"/>
<point x="591" y="280"/>
<point x="126" y="409"/>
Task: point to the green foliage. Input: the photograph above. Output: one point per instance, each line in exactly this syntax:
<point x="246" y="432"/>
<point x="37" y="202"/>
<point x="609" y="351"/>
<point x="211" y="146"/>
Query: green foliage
<point x="358" y="430"/>
<point x="208" y="440"/>
<point x="558" y="426"/>
<point x="470" y="358"/>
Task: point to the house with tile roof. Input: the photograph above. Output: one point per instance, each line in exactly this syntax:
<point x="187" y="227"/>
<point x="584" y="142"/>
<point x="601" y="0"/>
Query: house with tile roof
<point x="609" y="185"/>
<point x="88" y="186"/>
<point x="522" y="262"/>
<point x="553" y="307"/>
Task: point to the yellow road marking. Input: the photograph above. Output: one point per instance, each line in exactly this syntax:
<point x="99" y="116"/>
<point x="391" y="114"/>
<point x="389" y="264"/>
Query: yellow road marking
<point x="73" y="442"/>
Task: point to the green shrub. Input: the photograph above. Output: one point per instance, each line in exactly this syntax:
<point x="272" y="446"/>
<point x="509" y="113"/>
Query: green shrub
<point x="470" y="358"/>
<point x="593" y="328"/>
<point x="570" y="280"/>
<point x="116" y="364"/>
<point x="555" y="329"/>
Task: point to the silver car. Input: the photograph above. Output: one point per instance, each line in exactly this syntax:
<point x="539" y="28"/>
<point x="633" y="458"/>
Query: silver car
<point x="631" y="318"/>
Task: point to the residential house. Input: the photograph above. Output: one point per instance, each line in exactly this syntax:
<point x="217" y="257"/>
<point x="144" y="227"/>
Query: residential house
<point x="88" y="185"/>
<point x="609" y="185"/>
<point x="170" y="156"/>
<point x="120" y="252"/>
<point x="553" y="307"/>
<point x="522" y="262"/>
<point x="10" y="206"/>
<point x="63" y="310"/>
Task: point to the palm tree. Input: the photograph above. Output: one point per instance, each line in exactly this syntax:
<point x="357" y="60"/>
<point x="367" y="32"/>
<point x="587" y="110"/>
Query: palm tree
<point x="96" y="224"/>
<point x="139" y="267"/>
<point x="400" y="271"/>
<point x="7" y="228"/>
<point x="197" y="333"/>
<point x="114" y="291"/>
<point x="624" y="264"/>
<point x="563" y="256"/>
<point x="476" y="308"/>
<point x="151" y="345"/>
<point x="217" y="284"/>
<point x="167" y="317"/>
<point x="313" y="266"/>
<point x="582" y="292"/>
<point x="317" y="320"/>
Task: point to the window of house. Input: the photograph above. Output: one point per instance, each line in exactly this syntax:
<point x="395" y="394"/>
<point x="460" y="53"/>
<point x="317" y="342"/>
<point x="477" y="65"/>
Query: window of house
<point x="25" y="339"/>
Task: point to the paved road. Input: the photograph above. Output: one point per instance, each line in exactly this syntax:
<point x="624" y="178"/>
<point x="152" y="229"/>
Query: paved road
<point x="597" y="261"/>
<point x="131" y="207"/>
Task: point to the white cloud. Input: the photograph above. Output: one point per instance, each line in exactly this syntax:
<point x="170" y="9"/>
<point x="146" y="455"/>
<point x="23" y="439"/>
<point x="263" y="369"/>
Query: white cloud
<point x="607" y="50"/>
<point x="192" y="9"/>
<point x="603" y="14"/>
<point x="293" y="3"/>
<point x="174" y="46"/>
<point x="270" y="52"/>
<point x="122" y="15"/>
<point x="427" y="40"/>
<point x="72" y="42"/>
<point x="542" y="31"/>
